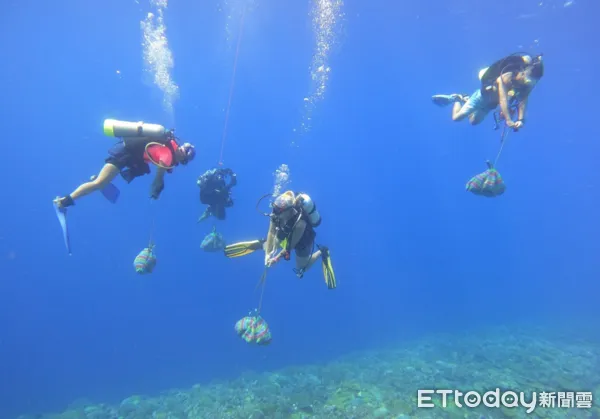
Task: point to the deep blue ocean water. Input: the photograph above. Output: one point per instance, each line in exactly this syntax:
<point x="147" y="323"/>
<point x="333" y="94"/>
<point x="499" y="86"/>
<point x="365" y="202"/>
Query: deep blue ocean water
<point x="414" y="253"/>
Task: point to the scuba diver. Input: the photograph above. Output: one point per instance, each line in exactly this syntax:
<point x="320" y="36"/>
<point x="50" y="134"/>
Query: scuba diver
<point x="293" y="220"/>
<point x="215" y="193"/>
<point x="139" y="145"/>
<point x="507" y="83"/>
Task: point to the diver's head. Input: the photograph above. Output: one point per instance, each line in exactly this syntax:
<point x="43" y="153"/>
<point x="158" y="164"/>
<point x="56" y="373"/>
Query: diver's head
<point x="531" y="73"/>
<point x="522" y="78"/>
<point x="185" y="153"/>
<point x="283" y="207"/>
<point x="537" y="68"/>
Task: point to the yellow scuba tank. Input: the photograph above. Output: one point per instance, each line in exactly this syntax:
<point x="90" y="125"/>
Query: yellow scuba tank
<point x="114" y="128"/>
<point x="310" y="209"/>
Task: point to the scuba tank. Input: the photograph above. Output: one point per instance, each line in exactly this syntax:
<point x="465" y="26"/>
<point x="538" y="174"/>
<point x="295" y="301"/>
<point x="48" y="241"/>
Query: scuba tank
<point x="310" y="209"/>
<point x="114" y="128"/>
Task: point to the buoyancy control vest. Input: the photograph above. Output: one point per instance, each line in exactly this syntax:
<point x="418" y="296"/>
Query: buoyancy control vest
<point x="135" y="150"/>
<point x="137" y="145"/>
<point x="134" y="140"/>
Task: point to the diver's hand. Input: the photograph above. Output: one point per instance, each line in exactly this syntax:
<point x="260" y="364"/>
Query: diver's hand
<point x="63" y="202"/>
<point x="156" y="189"/>
<point x="269" y="259"/>
<point x="273" y="260"/>
<point x="514" y="125"/>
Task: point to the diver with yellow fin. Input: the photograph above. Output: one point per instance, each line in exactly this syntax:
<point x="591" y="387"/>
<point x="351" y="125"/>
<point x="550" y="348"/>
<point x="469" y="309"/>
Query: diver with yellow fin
<point x="507" y="83"/>
<point x="140" y="144"/>
<point x="292" y="222"/>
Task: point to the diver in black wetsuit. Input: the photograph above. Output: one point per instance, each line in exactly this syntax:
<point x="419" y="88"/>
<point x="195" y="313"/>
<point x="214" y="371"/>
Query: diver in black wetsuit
<point x="215" y="193"/>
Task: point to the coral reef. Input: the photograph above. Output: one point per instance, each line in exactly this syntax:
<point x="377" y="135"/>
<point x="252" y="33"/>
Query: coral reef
<point x="384" y="383"/>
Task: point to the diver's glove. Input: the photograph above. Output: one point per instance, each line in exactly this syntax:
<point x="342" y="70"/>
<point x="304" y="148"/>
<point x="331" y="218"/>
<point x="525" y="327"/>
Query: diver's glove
<point x="156" y="188"/>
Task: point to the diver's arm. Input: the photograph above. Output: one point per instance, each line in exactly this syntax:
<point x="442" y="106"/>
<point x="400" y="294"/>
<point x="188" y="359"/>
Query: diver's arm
<point x="201" y="180"/>
<point x="271" y="243"/>
<point x="522" y="107"/>
<point x="160" y="175"/>
<point x="158" y="184"/>
<point x="232" y="179"/>
<point x="503" y="99"/>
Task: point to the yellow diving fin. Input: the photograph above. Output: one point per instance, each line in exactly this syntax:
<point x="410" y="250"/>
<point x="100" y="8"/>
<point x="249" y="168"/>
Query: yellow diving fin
<point x="236" y="250"/>
<point x="327" y="268"/>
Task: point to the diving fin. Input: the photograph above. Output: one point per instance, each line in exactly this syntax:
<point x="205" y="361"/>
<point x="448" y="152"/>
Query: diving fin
<point x="61" y="214"/>
<point x="110" y="191"/>
<point x="243" y="248"/>
<point x="328" y="273"/>
<point x="204" y="215"/>
<point x="444" y="100"/>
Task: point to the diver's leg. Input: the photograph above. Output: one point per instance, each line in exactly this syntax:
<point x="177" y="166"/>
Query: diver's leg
<point x="478" y="116"/>
<point x="219" y="212"/>
<point x="205" y="196"/>
<point x="106" y="175"/>
<point x="463" y="109"/>
<point x="445" y="100"/>
<point x="307" y="262"/>
<point x="304" y="263"/>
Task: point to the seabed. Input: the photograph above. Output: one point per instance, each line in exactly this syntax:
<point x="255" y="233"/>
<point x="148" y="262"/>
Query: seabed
<point x="384" y="383"/>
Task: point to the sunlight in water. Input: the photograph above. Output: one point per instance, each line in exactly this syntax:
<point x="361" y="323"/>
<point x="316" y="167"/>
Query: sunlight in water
<point x="158" y="59"/>
<point x="326" y="20"/>
<point x="282" y="179"/>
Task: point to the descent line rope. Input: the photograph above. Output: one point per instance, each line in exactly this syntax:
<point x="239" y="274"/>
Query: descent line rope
<point x="262" y="282"/>
<point x="505" y="129"/>
<point x="152" y="227"/>
<point x="503" y="139"/>
<point x="232" y="85"/>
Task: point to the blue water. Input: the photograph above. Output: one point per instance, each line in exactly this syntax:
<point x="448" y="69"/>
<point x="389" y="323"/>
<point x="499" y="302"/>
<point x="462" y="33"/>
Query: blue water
<point x="414" y="253"/>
